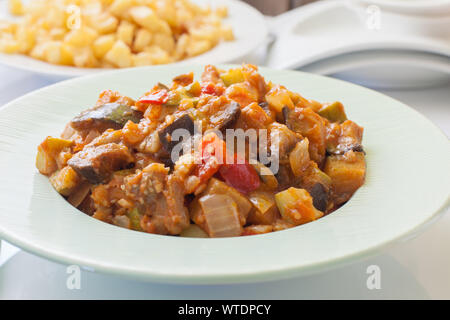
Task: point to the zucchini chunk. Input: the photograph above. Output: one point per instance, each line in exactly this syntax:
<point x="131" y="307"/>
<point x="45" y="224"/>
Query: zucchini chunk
<point x="296" y="206"/>
<point x="334" y="112"/>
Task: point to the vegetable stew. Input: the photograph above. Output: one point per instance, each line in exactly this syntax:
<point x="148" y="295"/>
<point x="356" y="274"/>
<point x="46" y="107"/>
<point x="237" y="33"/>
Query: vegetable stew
<point x="230" y="154"/>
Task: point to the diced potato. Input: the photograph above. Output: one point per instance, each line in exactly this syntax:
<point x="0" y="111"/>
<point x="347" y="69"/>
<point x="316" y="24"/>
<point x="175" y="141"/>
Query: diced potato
<point x="8" y="27"/>
<point x="163" y="41"/>
<point x="159" y="56"/>
<point x="197" y="47"/>
<point x="119" y="55"/>
<point x="84" y="58"/>
<point x="143" y="39"/>
<point x="65" y="180"/>
<point x="103" y="44"/>
<point x="145" y="17"/>
<point x="15" y="7"/>
<point x="26" y="39"/>
<point x="105" y="23"/>
<point x="38" y="51"/>
<point x="125" y="32"/>
<point x="227" y="33"/>
<point x="8" y="45"/>
<point x="142" y="59"/>
<point x="81" y="37"/>
<point x="52" y="52"/>
<point x="57" y="33"/>
<point x="66" y="54"/>
<point x="232" y="76"/>
<point x="278" y="97"/>
<point x="120" y="7"/>
<point x="296" y="206"/>
<point x="347" y="173"/>
<point x="208" y="33"/>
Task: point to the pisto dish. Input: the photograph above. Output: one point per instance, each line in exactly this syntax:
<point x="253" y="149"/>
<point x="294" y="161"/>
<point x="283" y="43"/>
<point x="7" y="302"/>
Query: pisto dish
<point x="112" y="33"/>
<point x="123" y="162"/>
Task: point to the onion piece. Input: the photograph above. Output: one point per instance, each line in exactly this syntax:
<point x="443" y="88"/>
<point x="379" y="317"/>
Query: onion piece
<point x="221" y="216"/>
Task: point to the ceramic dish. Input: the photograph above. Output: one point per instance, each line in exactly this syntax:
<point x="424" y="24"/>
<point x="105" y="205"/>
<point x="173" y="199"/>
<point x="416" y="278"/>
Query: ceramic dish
<point x="243" y="18"/>
<point x="407" y="185"/>
<point x="386" y="69"/>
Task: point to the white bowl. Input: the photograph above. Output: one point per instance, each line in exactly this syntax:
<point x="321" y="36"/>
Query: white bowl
<point x="407" y="185"/>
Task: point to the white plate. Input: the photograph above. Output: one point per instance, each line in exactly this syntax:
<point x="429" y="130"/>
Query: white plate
<point x="386" y="69"/>
<point x="248" y="25"/>
<point x="407" y="185"/>
<point x="330" y="28"/>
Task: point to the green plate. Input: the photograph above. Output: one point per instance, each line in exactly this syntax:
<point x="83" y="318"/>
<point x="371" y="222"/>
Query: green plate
<point x="407" y="184"/>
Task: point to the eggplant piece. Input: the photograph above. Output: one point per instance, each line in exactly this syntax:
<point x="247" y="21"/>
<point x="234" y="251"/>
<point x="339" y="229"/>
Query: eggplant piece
<point x="165" y="134"/>
<point x="266" y="175"/>
<point x="320" y="196"/>
<point x="109" y="115"/>
<point x="227" y="117"/>
<point x="96" y="164"/>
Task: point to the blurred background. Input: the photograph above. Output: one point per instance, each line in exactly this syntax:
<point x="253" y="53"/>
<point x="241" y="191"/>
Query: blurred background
<point x="273" y="8"/>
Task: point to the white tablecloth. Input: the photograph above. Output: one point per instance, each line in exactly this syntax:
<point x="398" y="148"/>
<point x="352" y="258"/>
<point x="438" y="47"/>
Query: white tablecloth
<point x="417" y="268"/>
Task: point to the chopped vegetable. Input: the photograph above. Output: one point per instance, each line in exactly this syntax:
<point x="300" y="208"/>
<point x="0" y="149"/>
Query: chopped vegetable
<point x="296" y="206"/>
<point x="243" y="177"/>
<point x="157" y="97"/>
<point x="194" y="231"/>
<point x="216" y="186"/>
<point x="117" y="161"/>
<point x="47" y="153"/>
<point x="77" y="197"/>
<point x="65" y="180"/>
<point x="221" y="216"/>
<point x="334" y="112"/>
<point x="135" y="219"/>
<point x="232" y="76"/>
<point x="97" y="163"/>
<point x="165" y="134"/>
<point x="347" y="173"/>
<point x="299" y="158"/>
<point x="227" y="117"/>
<point x="266" y="175"/>
<point x="266" y="211"/>
<point x="109" y="115"/>
<point x="213" y="155"/>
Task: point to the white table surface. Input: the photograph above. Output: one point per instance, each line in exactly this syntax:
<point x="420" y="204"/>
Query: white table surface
<point x="418" y="268"/>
